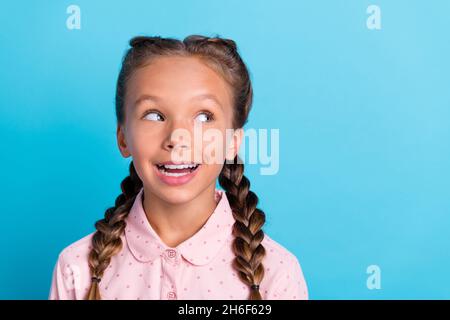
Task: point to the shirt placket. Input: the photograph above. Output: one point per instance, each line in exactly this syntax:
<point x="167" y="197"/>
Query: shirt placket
<point x="170" y="266"/>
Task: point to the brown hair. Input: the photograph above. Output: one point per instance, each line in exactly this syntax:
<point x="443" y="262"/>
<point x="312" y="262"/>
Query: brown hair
<point x="221" y="55"/>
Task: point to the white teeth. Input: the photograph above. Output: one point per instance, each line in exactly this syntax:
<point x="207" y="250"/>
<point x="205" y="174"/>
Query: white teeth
<point x="178" y="166"/>
<point x="173" y="174"/>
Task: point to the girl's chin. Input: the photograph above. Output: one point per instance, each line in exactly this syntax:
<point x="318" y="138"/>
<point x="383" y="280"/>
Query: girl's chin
<point x="175" y="195"/>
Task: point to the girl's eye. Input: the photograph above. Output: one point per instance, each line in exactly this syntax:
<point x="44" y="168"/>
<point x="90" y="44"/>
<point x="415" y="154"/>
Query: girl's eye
<point x="204" y="115"/>
<point x="153" y="116"/>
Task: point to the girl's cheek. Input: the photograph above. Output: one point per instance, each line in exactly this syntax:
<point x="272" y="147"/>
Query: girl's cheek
<point x="214" y="152"/>
<point x="141" y="141"/>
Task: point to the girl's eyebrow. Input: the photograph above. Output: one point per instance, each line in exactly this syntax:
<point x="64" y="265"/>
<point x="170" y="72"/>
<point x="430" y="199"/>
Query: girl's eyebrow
<point x="145" y="97"/>
<point x="205" y="96"/>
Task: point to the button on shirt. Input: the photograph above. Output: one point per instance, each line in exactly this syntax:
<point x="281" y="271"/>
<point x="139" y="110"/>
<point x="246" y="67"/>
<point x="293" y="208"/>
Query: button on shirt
<point x="199" y="268"/>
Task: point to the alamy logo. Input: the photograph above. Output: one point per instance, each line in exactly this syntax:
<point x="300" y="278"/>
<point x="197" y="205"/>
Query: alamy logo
<point x="74" y="19"/>
<point x="373" y="21"/>
<point x="374" y="279"/>
<point x="210" y="146"/>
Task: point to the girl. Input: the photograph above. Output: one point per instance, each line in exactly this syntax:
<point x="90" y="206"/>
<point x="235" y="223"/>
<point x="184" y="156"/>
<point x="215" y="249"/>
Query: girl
<point x="171" y="234"/>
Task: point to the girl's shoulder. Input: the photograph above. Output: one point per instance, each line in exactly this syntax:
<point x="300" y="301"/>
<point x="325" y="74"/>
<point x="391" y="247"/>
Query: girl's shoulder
<point x="71" y="274"/>
<point x="283" y="271"/>
<point x="275" y="250"/>
<point x="77" y="251"/>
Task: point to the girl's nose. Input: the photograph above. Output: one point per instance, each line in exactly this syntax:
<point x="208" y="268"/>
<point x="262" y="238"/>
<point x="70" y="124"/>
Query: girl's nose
<point x="170" y="144"/>
<point x="178" y="137"/>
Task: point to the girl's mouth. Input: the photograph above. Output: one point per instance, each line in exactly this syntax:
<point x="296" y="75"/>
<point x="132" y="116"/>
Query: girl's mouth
<point x="176" y="174"/>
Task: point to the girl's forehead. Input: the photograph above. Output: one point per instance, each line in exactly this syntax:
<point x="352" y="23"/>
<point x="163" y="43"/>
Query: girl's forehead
<point x="178" y="79"/>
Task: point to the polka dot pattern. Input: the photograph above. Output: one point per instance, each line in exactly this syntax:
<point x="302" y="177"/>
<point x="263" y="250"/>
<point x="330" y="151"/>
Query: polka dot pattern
<point x="199" y="268"/>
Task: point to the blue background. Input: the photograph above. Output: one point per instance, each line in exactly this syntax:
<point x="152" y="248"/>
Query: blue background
<point x="364" y="133"/>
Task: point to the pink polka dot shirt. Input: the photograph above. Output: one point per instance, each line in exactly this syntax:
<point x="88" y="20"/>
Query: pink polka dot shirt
<point x="200" y="268"/>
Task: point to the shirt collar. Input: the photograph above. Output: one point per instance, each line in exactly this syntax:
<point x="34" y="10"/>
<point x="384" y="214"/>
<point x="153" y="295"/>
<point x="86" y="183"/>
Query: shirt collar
<point x="146" y="245"/>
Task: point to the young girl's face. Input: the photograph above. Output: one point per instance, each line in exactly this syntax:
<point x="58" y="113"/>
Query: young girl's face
<point x="177" y="94"/>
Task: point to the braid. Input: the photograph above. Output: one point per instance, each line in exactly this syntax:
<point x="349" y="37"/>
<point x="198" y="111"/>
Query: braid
<point x="247" y="229"/>
<point x="106" y="242"/>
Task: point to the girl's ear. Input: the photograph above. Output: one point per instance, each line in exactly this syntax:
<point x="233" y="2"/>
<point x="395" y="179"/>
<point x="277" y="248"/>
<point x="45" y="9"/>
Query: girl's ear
<point x="121" y="142"/>
<point x="235" y="144"/>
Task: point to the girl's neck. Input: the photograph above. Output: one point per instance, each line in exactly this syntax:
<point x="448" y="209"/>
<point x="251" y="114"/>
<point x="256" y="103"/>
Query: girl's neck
<point x="175" y="223"/>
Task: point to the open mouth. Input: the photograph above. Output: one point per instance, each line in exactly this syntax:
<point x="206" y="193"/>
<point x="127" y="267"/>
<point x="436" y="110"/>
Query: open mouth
<point x="177" y="170"/>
